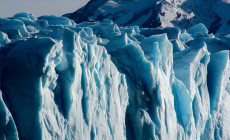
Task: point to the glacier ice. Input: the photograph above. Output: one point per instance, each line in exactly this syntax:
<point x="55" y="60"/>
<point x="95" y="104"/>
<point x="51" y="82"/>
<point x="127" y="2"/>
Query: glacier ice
<point x="7" y="125"/>
<point x="190" y="66"/>
<point x="4" y="38"/>
<point x="97" y="80"/>
<point x="198" y="29"/>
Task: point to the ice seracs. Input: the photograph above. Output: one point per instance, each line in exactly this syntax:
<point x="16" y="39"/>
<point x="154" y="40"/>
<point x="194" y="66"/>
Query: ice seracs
<point x="97" y="80"/>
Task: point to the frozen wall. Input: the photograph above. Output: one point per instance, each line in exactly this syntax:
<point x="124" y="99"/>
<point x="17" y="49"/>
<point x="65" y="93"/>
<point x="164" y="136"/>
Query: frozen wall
<point x="96" y="80"/>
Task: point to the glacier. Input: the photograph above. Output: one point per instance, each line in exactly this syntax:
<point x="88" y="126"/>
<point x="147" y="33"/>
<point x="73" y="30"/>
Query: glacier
<point x="98" y="80"/>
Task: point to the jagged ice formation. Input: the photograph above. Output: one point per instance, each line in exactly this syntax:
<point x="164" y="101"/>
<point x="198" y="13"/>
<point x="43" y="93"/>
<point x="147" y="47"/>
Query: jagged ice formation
<point x="96" y="80"/>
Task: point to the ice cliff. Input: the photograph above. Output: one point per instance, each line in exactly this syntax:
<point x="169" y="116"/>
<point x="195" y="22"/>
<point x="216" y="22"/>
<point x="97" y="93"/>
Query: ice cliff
<point x="159" y="13"/>
<point x="97" y="80"/>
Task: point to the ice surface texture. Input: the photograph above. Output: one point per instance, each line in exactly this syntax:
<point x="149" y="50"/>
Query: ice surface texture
<point x="96" y="80"/>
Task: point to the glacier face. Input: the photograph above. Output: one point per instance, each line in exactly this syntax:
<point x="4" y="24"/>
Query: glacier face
<point x="96" y="80"/>
<point x="158" y="13"/>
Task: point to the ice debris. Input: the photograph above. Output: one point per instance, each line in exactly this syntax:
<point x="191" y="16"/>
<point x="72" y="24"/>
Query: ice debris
<point x="96" y="80"/>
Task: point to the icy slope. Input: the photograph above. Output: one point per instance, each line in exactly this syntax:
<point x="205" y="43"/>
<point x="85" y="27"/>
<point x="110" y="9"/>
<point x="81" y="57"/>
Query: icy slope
<point x="158" y="13"/>
<point x="96" y="80"/>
